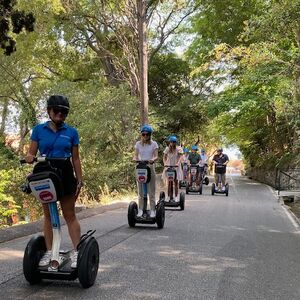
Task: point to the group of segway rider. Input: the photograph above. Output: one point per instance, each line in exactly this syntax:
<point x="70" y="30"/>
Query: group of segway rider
<point x="58" y="177"/>
<point x="180" y="159"/>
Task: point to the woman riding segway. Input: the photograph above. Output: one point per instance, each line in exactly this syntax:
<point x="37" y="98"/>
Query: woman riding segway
<point x="147" y="150"/>
<point x="185" y="167"/>
<point x="57" y="139"/>
<point x="172" y="157"/>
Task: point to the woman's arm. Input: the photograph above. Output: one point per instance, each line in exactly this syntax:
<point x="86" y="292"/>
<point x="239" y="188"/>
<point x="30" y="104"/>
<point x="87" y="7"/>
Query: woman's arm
<point x="76" y="163"/>
<point x="155" y="155"/>
<point x="77" y="168"/>
<point x="136" y="155"/>
<point x="32" y="151"/>
<point x="165" y="158"/>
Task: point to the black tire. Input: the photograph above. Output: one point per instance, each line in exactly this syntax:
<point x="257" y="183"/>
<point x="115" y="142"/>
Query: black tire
<point x="160" y="215"/>
<point x="88" y="263"/>
<point x="227" y="189"/>
<point x="162" y="196"/>
<point x="132" y="212"/>
<point x="34" y="251"/>
<point x="206" y="181"/>
<point x="213" y="187"/>
<point x="187" y="188"/>
<point x="182" y="200"/>
<point x="200" y="189"/>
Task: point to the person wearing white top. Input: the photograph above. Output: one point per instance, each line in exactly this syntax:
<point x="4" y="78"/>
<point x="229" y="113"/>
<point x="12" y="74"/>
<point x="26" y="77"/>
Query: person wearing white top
<point x="204" y="159"/>
<point x="147" y="150"/>
<point x="172" y="157"/>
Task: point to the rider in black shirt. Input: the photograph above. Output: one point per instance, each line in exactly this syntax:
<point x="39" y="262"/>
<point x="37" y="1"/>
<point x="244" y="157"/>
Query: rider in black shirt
<point x="220" y="160"/>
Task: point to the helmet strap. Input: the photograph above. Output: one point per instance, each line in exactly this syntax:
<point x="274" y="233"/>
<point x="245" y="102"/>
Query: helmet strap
<point x="57" y="125"/>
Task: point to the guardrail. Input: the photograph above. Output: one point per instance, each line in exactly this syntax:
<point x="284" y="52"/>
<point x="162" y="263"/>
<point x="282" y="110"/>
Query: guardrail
<point x="287" y="180"/>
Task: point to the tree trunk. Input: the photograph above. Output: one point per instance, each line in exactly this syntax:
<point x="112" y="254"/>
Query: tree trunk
<point x="143" y="60"/>
<point x="4" y="117"/>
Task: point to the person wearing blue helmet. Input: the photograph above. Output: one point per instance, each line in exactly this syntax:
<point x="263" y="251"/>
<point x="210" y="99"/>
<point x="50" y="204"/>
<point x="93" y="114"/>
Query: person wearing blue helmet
<point x="172" y="157"/>
<point x="194" y="159"/>
<point x="185" y="164"/>
<point x="185" y="156"/>
<point x="147" y="150"/>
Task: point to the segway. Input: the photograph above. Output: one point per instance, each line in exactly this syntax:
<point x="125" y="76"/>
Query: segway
<point x="171" y="175"/>
<point x="203" y="174"/>
<point x="220" y="169"/>
<point x="45" y="184"/>
<point x="195" y="187"/>
<point x="143" y="176"/>
<point x="185" y="170"/>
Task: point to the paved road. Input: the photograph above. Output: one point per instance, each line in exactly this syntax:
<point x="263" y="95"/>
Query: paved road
<point x="239" y="247"/>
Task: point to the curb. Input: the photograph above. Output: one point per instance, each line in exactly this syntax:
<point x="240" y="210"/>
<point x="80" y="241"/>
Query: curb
<point x="11" y="233"/>
<point x="294" y="219"/>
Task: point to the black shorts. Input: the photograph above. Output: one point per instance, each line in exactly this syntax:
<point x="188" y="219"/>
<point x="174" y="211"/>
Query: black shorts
<point x="66" y="172"/>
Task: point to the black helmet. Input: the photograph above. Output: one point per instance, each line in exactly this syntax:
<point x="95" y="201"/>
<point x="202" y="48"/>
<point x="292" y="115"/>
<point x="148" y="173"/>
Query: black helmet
<point x="58" y="100"/>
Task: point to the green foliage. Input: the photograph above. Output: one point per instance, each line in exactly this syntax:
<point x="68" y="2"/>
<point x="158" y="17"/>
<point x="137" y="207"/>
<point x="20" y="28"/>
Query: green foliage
<point x="8" y="206"/>
<point x="108" y="122"/>
<point x="177" y="108"/>
<point x="15" y="20"/>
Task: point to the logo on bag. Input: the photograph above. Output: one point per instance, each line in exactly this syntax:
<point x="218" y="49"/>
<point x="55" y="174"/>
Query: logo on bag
<point x="46" y="196"/>
<point x="142" y="176"/>
<point x="42" y="187"/>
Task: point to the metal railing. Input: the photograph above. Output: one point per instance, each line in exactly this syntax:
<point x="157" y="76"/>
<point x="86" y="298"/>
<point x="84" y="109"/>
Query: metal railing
<point x="287" y="180"/>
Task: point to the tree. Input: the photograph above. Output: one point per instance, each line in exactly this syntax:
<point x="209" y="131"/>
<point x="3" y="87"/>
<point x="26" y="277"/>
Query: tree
<point x="17" y="19"/>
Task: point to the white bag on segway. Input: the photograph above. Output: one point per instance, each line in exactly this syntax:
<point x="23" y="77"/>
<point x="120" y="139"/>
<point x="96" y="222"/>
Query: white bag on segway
<point x="43" y="190"/>
<point x="45" y="184"/>
<point x="142" y="175"/>
<point x="171" y="174"/>
<point x="193" y="170"/>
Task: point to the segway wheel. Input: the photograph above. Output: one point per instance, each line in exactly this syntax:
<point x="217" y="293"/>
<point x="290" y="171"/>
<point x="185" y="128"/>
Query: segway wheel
<point x="187" y="189"/>
<point x="182" y="200"/>
<point x="226" y="189"/>
<point x="160" y="215"/>
<point x="162" y="196"/>
<point x="206" y="180"/>
<point x="88" y="263"/>
<point x="200" y="190"/>
<point x="34" y="251"/>
<point x="213" y="188"/>
<point x="132" y="212"/>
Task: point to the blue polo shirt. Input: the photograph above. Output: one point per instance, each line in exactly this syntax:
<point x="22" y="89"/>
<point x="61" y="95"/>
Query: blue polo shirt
<point x="55" y="144"/>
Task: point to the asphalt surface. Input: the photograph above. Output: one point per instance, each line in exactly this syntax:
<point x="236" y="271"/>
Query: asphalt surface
<point x="239" y="247"/>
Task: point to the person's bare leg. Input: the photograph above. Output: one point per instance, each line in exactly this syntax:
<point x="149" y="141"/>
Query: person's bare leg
<point x="68" y="209"/>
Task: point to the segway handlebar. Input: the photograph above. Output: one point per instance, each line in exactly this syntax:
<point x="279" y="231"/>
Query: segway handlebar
<point x="170" y="166"/>
<point x="146" y="162"/>
<point x="43" y="158"/>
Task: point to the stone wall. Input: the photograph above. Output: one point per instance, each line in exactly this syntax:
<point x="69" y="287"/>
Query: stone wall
<point x="288" y="179"/>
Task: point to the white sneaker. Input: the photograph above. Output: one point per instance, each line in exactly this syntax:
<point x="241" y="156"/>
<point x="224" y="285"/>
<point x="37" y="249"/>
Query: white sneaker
<point x="152" y="214"/>
<point x="176" y="199"/>
<point x="74" y="257"/>
<point x="140" y="213"/>
<point x="223" y="189"/>
<point x="45" y="260"/>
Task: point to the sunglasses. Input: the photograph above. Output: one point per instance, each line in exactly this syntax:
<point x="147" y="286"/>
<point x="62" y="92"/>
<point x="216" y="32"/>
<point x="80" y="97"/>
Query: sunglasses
<point x="145" y="134"/>
<point x="62" y="110"/>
